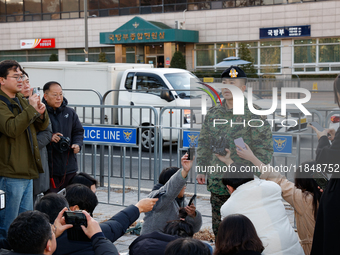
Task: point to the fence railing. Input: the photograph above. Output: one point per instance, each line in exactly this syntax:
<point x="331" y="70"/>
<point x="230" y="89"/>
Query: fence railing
<point x="162" y="128"/>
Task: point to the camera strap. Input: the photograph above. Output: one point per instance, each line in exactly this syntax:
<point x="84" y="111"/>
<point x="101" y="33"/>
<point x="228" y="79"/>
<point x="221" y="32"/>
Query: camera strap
<point x="64" y="176"/>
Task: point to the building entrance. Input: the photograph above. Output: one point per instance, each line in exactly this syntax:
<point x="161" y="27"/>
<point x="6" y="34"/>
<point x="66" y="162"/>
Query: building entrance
<point x="154" y="53"/>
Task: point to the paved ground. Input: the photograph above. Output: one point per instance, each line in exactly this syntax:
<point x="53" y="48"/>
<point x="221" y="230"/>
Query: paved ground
<point x="105" y="211"/>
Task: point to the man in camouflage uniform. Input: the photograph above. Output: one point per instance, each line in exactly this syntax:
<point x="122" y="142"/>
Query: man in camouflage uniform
<point x="259" y="139"/>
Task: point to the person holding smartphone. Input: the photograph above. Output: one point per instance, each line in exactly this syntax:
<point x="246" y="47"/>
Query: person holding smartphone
<point x="257" y="135"/>
<point x="303" y="194"/>
<point x="42" y="184"/>
<point x="327" y="235"/>
<point x="170" y="192"/>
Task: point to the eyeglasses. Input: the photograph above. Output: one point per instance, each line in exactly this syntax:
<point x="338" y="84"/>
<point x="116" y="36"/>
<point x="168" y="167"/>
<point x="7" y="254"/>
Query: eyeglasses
<point x="56" y="95"/>
<point x="18" y="78"/>
<point x="54" y="228"/>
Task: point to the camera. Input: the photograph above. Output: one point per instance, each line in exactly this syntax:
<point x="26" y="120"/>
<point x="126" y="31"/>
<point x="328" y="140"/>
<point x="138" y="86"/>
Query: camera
<point x="76" y="218"/>
<point x="63" y="144"/>
<point x="218" y="145"/>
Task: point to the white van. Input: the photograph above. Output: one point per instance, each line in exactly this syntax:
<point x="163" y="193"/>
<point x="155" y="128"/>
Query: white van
<point x="166" y="87"/>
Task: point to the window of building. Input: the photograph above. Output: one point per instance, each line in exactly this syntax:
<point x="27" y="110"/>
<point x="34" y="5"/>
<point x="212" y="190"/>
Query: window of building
<point x="329" y="50"/>
<point x="21" y="10"/>
<point x="28" y="55"/>
<point x="32" y="6"/>
<point x="205" y="55"/>
<point x="128" y="3"/>
<point x="69" y="5"/>
<point x="270" y="56"/>
<point x="3" y="8"/>
<point x="225" y="50"/>
<point x="108" y="4"/>
<point x="129" y="54"/>
<point x="317" y="55"/>
<point x="50" y="6"/>
<point x="253" y="48"/>
<point x="14" y="7"/>
<point x="79" y="54"/>
<point x="150" y="2"/>
<point x="305" y="51"/>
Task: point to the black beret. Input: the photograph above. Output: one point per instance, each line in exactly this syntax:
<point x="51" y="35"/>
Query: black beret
<point x="234" y="72"/>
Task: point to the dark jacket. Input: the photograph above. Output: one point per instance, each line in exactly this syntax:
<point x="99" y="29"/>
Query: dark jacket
<point x="64" y="120"/>
<point x="112" y="229"/>
<point x="19" y="151"/>
<point x="326" y="233"/>
<point x="151" y="244"/>
<point x="43" y="182"/>
<point x="102" y="245"/>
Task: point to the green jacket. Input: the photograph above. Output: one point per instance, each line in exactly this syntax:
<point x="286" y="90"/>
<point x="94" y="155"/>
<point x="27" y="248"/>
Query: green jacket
<point x="259" y="140"/>
<point x="19" y="152"/>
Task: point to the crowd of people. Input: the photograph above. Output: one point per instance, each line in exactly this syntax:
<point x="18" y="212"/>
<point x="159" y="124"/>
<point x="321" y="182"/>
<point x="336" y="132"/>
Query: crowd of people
<point x="49" y="206"/>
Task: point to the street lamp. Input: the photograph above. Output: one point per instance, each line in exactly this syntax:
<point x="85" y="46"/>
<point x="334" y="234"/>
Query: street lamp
<point x="86" y="50"/>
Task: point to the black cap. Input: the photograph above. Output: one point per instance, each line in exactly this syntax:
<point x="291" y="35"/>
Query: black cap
<point x="234" y="72"/>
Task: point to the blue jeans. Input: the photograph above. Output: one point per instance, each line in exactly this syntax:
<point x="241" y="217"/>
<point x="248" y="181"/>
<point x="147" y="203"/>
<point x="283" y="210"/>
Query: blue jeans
<point x="19" y="198"/>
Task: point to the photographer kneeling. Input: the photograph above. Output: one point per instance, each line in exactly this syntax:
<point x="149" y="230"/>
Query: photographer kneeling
<point x="170" y="191"/>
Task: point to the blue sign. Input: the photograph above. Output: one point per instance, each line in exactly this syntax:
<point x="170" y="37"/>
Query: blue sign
<point x="190" y="138"/>
<point x="110" y="135"/>
<point x="281" y="32"/>
<point x="283" y="143"/>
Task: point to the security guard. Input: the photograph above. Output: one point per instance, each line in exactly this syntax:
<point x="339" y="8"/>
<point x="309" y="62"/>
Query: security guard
<point x="257" y="135"/>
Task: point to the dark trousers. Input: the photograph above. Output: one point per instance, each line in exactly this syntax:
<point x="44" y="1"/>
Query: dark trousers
<point x="216" y="203"/>
<point x="60" y="182"/>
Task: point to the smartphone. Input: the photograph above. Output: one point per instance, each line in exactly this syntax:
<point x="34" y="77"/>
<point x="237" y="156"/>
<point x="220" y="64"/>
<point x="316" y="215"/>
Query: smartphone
<point x="35" y="91"/>
<point x="321" y="179"/>
<point x="62" y="192"/>
<point x="158" y="195"/>
<point x="240" y="142"/>
<point x="191" y="153"/>
<point x="76" y="218"/>
<point x="316" y="125"/>
<point x="192" y="199"/>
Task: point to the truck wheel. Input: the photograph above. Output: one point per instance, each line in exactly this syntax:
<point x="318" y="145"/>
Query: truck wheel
<point x="147" y="139"/>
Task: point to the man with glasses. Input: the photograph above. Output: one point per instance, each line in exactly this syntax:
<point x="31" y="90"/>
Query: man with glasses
<point x="20" y="161"/>
<point x="258" y="137"/>
<point x="67" y="138"/>
<point x="41" y="184"/>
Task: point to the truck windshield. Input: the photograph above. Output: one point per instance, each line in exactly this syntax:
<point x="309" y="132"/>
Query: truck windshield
<point x="181" y="84"/>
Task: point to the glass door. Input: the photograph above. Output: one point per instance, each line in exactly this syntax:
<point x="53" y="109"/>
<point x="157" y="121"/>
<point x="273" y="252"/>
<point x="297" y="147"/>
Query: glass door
<point x="151" y="60"/>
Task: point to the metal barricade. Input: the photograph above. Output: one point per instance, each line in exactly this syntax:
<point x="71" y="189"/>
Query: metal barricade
<point x="155" y="159"/>
<point x="130" y="156"/>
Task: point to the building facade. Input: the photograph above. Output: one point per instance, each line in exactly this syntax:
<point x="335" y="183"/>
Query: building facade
<point x="221" y="26"/>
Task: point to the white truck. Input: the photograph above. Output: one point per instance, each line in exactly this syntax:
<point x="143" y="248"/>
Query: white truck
<point x="138" y="84"/>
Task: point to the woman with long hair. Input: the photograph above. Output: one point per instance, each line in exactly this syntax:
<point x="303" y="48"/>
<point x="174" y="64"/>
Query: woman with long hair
<point x="237" y="236"/>
<point x="327" y="234"/>
<point x="304" y="195"/>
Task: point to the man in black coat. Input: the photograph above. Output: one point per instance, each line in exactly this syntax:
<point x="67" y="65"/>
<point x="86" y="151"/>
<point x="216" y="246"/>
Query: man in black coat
<point x="67" y="138"/>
